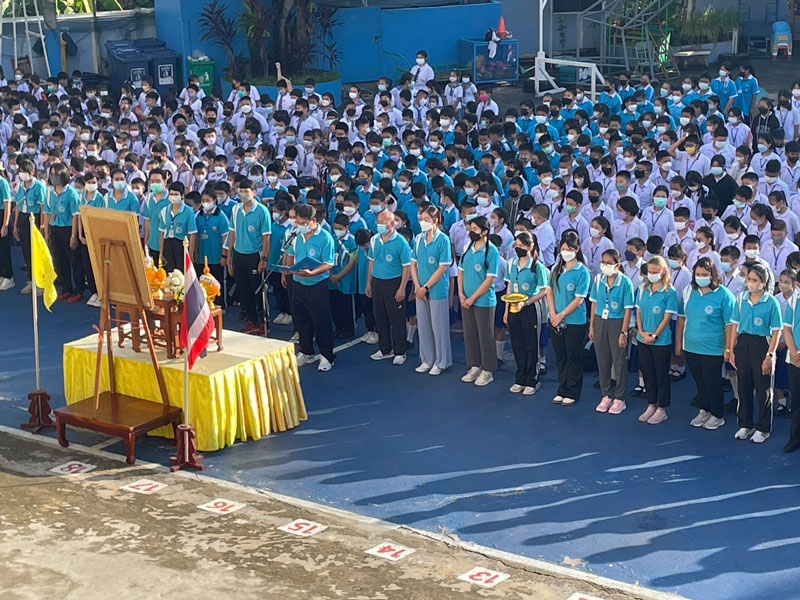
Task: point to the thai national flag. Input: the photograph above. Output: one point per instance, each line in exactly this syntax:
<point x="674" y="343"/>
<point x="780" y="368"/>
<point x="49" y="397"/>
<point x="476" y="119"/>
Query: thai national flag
<point x="196" y="323"/>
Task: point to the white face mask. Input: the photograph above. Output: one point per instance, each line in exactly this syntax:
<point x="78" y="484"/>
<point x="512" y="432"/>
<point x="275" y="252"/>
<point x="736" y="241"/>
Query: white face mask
<point x="420" y="61"/>
<point x="680" y="225"/>
<point x="349" y="210"/>
<point x="174" y="199"/>
<point x="208" y="206"/>
<point x="595" y="233"/>
<point x="568" y="255"/>
<point x="701" y="245"/>
<point x="425" y="226"/>
<point x="554" y="193"/>
<point x="91" y="187"/>
<point x="608" y="270"/>
<point x="751" y="254"/>
<point x="754" y="288"/>
<point x="654" y="277"/>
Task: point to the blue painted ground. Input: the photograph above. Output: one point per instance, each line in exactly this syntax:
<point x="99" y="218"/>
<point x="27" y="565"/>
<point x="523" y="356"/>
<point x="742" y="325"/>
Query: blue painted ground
<point x="667" y="506"/>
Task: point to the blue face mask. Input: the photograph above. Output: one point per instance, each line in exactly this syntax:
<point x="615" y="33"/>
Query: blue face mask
<point x="703" y="281"/>
<point x="303" y="229"/>
<point x="382" y="229"/>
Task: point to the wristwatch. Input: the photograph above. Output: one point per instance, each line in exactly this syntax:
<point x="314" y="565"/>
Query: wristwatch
<point x="771" y="354"/>
<point x="427" y="289"/>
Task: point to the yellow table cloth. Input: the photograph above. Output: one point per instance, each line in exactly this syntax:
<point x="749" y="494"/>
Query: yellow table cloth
<point x="248" y="390"/>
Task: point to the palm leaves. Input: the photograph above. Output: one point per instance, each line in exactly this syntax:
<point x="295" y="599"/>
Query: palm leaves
<point x="218" y="28"/>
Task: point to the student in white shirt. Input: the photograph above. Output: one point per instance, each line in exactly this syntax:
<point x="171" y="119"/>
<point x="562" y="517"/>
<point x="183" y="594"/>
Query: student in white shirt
<point x="777" y="200"/>
<point x="735" y="232"/>
<point x="742" y="203"/>
<point x="778" y="248"/>
<point x="632" y="265"/>
<point x="573" y="219"/>
<point x="682" y="234"/>
<point x="731" y="277"/>
<point x="595" y="207"/>
<point x="627" y="225"/>
<point x="422" y="72"/>
<point x="599" y="241"/>
<point x="761" y="218"/>
<point x="704" y="239"/>
<point x="544" y="233"/>
<point x="709" y="207"/>
<point x="658" y="218"/>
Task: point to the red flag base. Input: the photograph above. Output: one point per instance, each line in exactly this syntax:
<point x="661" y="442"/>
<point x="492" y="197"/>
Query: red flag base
<point x="39" y="407"/>
<point x="186" y="456"/>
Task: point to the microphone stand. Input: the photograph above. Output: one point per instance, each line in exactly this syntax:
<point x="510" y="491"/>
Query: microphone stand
<point x="262" y="289"/>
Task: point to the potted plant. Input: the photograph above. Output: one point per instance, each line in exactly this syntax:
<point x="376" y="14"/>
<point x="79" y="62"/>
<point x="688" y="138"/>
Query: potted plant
<point x="710" y="29"/>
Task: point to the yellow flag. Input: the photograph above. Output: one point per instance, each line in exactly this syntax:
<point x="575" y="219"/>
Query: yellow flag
<point x="44" y="275"/>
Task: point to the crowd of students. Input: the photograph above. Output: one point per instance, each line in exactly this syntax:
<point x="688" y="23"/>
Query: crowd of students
<point x="652" y="228"/>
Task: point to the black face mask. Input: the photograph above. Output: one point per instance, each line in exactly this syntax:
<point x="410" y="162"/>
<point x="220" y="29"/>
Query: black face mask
<point x="513" y="193"/>
<point x="707" y="216"/>
<point x="607" y="171"/>
<point x="474" y="237"/>
<point x="593" y="198"/>
<point x="521" y="252"/>
<point x="358" y="157"/>
<point x="638" y="173"/>
<point x="763" y="110"/>
<point x="594" y="161"/>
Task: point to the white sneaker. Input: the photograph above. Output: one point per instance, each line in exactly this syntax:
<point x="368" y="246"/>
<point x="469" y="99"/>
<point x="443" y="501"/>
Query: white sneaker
<point x="295" y="337"/>
<point x="485" y="378"/>
<point x="713" y="423"/>
<point x="400" y="359"/>
<point x="279" y="319"/>
<point x="6" y="284"/>
<point x="423" y="368"/>
<point x="515" y="389"/>
<point x="26" y="289"/>
<point x="370" y="337"/>
<point x="743" y="433"/>
<point x="568" y="402"/>
<point x="558" y="399"/>
<point x="324" y="364"/>
<point x="471" y="375"/>
<point x="305" y="359"/>
<point x="530" y="391"/>
<point x="759" y="437"/>
<point x="700" y="419"/>
<point x="93" y="301"/>
<point x="380" y="355"/>
<point x="435" y="370"/>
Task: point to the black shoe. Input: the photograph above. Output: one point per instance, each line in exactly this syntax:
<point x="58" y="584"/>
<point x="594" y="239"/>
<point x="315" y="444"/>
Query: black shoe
<point x="409" y="345"/>
<point x="791" y="447"/>
<point x="242" y="316"/>
<point x="499" y="363"/>
<point x="542" y="370"/>
<point x="638" y="391"/>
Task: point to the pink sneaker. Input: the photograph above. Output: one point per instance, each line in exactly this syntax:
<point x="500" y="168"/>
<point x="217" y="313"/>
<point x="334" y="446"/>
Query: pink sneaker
<point x="658" y="417"/>
<point x="617" y="407"/>
<point x="645" y="416"/>
<point x="604" y="404"/>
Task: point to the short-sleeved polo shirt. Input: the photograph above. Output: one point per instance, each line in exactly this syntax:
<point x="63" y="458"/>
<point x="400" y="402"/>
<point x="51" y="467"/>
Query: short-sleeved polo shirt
<point x="707" y="316"/>
<point x="615" y="298"/>
<point x="429" y="256"/>
<point x="250" y="226"/>
<point x="388" y="258"/>
<point x="320" y="247"/>
<point x="762" y="318"/>
<point x="652" y="306"/>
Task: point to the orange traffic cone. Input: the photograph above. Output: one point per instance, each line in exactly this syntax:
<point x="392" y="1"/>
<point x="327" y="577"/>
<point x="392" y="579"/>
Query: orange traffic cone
<point x="501" y="29"/>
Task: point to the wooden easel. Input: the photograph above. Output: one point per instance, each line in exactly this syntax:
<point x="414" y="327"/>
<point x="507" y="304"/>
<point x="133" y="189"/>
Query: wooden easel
<point x="111" y="413"/>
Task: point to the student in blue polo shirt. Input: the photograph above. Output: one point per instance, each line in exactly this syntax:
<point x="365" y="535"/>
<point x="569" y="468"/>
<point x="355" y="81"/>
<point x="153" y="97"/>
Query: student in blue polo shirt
<point x="705" y="311"/>
<point x="155" y="201"/>
<point x="342" y="281"/>
<point x="212" y="231"/>
<point x="751" y="349"/>
<point x="175" y="222"/>
<point x="120" y="197"/>
<point x="61" y="225"/>
<point x="247" y="253"/>
<point x="430" y="260"/>
<point x="476" y="274"/>
<point x="277" y="249"/>
<point x="526" y="275"/>
<point x="29" y="198"/>
<point x="656" y="304"/>
<point x="364" y="302"/>
<point x="6" y="267"/>
<point x="389" y="269"/>
<point x="612" y="301"/>
<point x="90" y="197"/>
<point x="791" y="333"/>
<point x="311" y="307"/>
<point x="569" y="286"/>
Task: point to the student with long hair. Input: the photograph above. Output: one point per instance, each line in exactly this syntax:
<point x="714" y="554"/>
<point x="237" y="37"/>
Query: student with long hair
<point x="751" y="350"/>
<point x="566" y="296"/>
<point x="612" y="301"/>
<point x="430" y="261"/>
<point x="526" y="275"/>
<point x="655" y="306"/>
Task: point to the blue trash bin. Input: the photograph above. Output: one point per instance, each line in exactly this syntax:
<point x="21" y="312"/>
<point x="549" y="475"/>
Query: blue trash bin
<point x="147" y="44"/>
<point x="165" y="70"/>
<point x="126" y="63"/>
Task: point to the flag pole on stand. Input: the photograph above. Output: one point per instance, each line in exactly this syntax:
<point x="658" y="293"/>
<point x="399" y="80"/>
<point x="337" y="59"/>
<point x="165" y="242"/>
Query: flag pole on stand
<point x="196" y="328"/>
<point x="41" y="272"/>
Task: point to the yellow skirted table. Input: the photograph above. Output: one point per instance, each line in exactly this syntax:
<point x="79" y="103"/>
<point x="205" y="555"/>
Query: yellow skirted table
<point x="248" y="390"/>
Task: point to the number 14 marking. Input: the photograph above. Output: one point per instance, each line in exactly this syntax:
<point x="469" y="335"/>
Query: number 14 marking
<point x="390" y="551"/>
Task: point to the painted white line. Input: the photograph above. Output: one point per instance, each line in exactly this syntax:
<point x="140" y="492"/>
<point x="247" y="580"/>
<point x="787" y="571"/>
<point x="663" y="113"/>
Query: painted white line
<point x="654" y="463"/>
<point x="514" y="560"/>
<point x="106" y="444"/>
